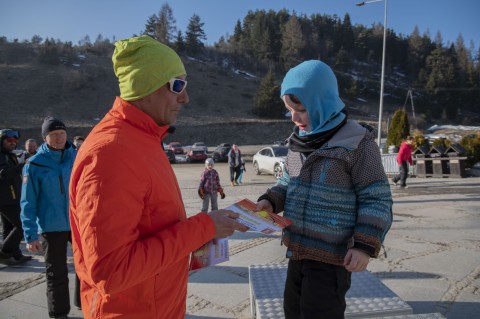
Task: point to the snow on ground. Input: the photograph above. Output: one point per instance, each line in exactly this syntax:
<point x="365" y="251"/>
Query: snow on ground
<point x="453" y="127"/>
<point x="451" y="132"/>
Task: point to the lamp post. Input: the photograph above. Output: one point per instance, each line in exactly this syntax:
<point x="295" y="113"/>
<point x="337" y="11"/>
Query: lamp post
<point x="382" y="80"/>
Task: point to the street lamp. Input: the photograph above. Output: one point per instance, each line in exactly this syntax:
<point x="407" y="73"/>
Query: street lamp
<point x="382" y="80"/>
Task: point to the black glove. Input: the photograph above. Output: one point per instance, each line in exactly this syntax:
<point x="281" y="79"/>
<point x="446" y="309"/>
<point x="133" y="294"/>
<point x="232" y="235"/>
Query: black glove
<point x="222" y="194"/>
<point x="201" y="194"/>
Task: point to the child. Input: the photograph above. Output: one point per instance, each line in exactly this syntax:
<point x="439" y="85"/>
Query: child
<point x="209" y="186"/>
<point x="242" y="169"/>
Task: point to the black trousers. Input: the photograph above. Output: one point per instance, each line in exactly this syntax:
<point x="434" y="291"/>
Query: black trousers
<point x="315" y="290"/>
<point x="11" y="241"/>
<point x="6" y="226"/>
<point x="234" y="173"/>
<point x="403" y="174"/>
<point x="55" y="253"/>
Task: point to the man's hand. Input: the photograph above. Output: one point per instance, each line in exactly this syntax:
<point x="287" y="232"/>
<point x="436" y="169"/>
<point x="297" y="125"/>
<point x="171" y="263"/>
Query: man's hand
<point x="265" y="205"/>
<point x="225" y="223"/>
<point x="34" y="246"/>
<point x="201" y="193"/>
<point x="222" y="194"/>
<point x="356" y="260"/>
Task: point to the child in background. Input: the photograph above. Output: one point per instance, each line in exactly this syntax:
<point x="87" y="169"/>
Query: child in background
<point x="242" y="169"/>
<point x="209" y="186"/>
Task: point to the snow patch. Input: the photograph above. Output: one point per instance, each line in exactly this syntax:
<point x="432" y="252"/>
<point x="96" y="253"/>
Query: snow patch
<point x="240" y="72"/>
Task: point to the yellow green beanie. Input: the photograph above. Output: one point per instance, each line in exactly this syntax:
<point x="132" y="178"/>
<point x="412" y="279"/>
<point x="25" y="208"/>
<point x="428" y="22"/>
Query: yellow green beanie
<point x="142" y="65"/>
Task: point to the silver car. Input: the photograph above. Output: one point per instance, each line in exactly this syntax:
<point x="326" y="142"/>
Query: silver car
<point x="270" y="160"/>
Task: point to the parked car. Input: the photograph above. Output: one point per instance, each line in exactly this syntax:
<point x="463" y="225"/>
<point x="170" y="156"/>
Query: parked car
<point x="200" y="145"/>
<point x="270" y="160"/>
<point x="176" y="147"/>
<point x="196" y="155"/>
<point x="170" y="154"/>
<point x="220" y="154"/>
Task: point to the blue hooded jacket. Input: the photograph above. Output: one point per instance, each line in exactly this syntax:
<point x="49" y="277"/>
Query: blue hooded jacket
<point x="44" y="200"/>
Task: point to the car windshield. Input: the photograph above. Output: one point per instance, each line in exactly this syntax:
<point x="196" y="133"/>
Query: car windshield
<point x="280" y="151"/>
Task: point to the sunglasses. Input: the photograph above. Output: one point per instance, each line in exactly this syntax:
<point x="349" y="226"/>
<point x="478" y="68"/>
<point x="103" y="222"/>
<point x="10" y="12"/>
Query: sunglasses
<point x="177" y="85"/>
<point x="11" y="133"/>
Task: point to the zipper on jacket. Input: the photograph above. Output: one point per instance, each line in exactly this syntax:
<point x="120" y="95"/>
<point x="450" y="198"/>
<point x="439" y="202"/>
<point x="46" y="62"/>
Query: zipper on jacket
<point x="62" y="188"/>
<point x="13" y="192"/>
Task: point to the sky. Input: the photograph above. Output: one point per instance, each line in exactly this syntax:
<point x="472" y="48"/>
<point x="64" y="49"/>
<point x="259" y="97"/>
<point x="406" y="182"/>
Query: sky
<point x="69" y="20"/>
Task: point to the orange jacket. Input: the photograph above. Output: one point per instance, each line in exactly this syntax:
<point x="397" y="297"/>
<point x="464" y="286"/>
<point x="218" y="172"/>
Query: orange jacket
<point x="131" y="236"/>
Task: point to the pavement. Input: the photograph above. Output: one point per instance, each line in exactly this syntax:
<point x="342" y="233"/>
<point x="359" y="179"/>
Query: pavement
<point x="432" y="251"/>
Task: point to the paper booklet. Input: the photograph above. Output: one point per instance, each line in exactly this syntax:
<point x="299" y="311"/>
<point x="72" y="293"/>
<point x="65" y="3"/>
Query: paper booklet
<point x="210" y="254"/>
<point x="262" y="221"/>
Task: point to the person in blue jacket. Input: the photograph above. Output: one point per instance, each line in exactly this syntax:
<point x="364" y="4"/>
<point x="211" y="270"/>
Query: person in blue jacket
<point x="44" y="210"/>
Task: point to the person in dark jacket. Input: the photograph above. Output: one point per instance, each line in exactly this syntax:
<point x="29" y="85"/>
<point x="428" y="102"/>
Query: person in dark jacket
<point x="335" y="191"/>
<point x="10" y="187"/>
<point x="45" y="203"/>
<point x="210" y="186"/>
<point x="235" y="164"/>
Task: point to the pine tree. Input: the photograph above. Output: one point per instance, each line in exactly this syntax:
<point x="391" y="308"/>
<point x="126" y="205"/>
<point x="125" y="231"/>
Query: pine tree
<point x="399" y="128"/>
<point x="48" y="52"/>
<point x="151" y="26"/>
<point x="165" y="28"/>
<point x="293" y="42"/>
<point x="36" y="39"/>
<point x="195" y="35"/>
<point x="179" y="44"/>
<point x="342" y="61"/>
<point x="267" y="98"/>
<point x="442" y="80"/>
<point x="347" y="33"/>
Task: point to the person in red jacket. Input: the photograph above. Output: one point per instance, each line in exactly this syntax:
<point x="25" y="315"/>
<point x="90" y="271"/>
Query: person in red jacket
<point x="404" y="157"/>
<point x="132" y="239"/>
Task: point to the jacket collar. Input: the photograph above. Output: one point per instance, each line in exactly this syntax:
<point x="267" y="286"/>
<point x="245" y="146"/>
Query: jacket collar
<point x="349" y="136"/>
<point x="132" y="115"/>
<point x="55" y="155"/>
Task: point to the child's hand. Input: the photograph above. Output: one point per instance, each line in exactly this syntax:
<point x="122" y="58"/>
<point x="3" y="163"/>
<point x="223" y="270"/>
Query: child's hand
<point x="264" y="205"/>
<point x="201" y="193"/>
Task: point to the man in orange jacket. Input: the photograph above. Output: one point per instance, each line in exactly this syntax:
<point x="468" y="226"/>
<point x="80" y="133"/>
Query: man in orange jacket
<point x="132" y="240"/>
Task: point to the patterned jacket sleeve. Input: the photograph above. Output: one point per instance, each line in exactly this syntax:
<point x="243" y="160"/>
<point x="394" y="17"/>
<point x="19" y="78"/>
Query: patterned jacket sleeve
<point x="374" y="199"/>
<point x="217" y="181"/>
<point x="202" y="180"/>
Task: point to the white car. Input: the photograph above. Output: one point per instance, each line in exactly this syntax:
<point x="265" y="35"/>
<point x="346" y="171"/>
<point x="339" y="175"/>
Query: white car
<point x="270" y="160"/>
<point x="200" y="145"/>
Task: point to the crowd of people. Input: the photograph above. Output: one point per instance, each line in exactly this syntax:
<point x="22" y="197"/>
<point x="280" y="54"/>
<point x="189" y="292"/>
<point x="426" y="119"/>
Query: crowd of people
<point x="133" y="244"/>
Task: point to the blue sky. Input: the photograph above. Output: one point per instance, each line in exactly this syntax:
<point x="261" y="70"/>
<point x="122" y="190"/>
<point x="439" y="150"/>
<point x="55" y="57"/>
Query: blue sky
<point x="69" y="20"/>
